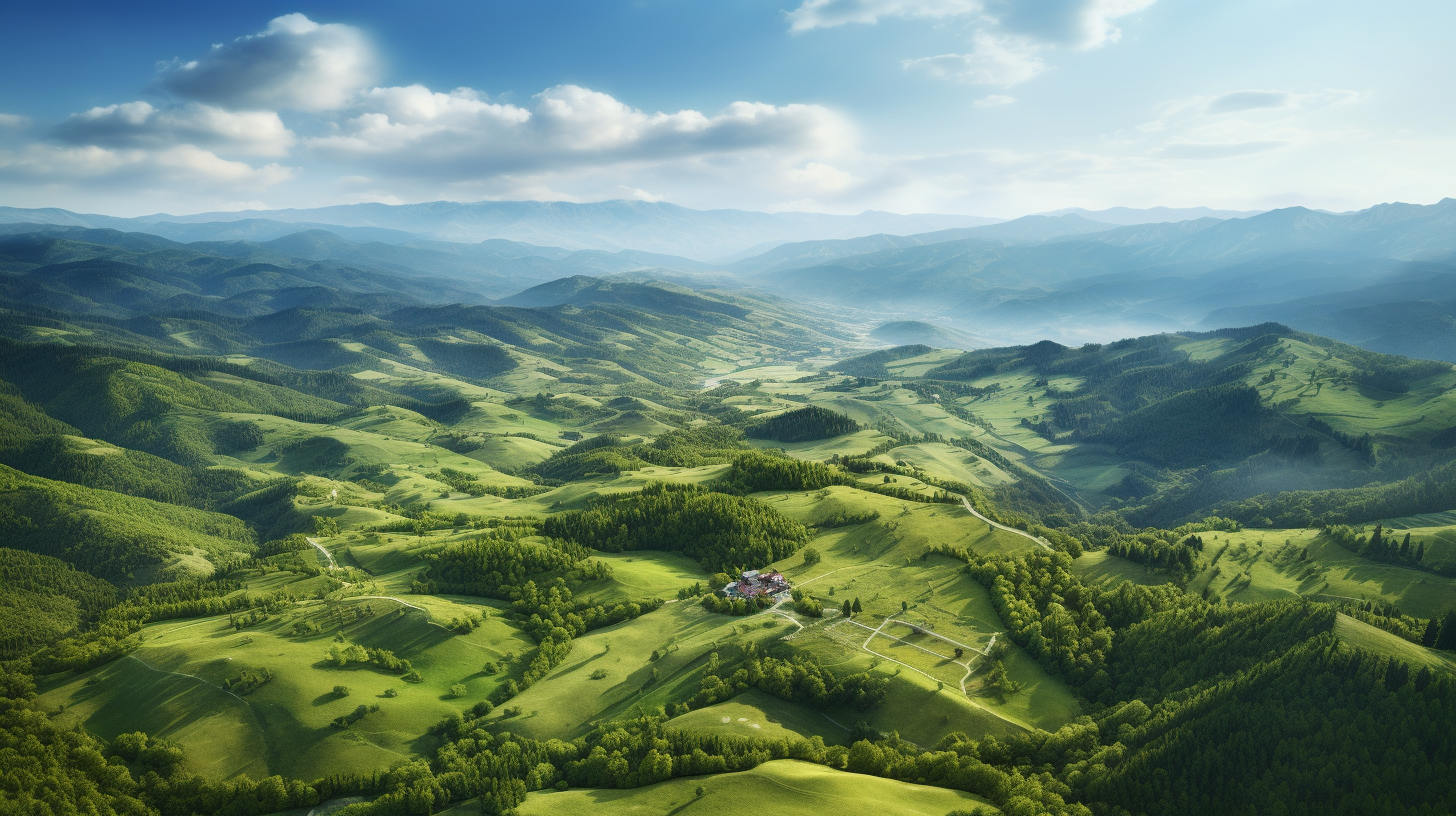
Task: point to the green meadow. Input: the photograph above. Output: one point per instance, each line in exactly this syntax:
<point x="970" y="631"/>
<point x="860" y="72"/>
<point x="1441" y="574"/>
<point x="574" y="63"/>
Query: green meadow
<point x="793" y="788"/>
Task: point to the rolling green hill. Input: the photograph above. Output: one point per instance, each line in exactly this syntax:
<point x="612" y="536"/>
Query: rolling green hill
<point x="324" y="542"/>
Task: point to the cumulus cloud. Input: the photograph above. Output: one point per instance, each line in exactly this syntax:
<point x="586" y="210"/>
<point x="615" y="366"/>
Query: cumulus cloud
<point x="14" y="121"/>
<point x="294" y="64"/>
<point x="140" y="124"/>
<point x="413" y="129"/>
<point x="1003" y="61"/>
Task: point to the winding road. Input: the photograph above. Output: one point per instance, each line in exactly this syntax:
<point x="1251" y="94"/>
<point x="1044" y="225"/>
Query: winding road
<point x="1040" y="542"/>
<point x="333" y="565"/>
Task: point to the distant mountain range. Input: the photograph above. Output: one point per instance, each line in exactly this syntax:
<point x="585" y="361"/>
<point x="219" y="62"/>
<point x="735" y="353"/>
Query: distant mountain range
<point x="607" y="225"/>
<point x="1316" y="271"/>
<point x="1383" y="278"/>
<point x="1127" y="216"/>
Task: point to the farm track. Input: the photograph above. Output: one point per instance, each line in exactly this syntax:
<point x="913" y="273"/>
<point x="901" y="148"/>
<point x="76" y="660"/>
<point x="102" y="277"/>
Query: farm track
<point x="333" y="565"/>
<point x="1039" y="542"/>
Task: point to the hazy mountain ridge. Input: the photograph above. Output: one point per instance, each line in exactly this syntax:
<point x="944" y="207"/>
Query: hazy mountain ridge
<point x="1155" y="276"/>
<point x="608" y="225"/>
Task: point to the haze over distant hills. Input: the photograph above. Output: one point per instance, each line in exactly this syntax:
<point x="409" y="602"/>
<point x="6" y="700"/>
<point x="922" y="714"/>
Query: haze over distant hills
<point x="606" y="225"/>
<point x="1125" y="216"/>
<point x="1384" y="277"/>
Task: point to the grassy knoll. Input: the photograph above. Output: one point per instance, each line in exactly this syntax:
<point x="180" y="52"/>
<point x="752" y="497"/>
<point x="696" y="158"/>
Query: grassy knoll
<point x="577" y="494"/>
<point x="682" y="634"/>
<point x="292" y="448"/>
<point x="1379" y="641"/>
<point x="792" y="787"/>
<point x="1255" y="565"/>
<point x="284" y="725"/>
<point x="643" y="574"/>
<point x="820" y="449"/>
<point x="493" y="417"/>
<point x="901" y="532"/>
<point x="1101" y="567"/>
<point x="510" y="452"/>
<point x="756" y="714"/>
<point x="949" y="462"/>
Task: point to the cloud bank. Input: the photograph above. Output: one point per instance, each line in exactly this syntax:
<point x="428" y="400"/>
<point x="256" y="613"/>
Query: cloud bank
<point x="302" y="93"/>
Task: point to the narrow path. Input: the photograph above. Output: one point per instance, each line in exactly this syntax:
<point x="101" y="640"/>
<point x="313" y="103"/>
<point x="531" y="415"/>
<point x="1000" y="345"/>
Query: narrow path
<point x="191" y="676"/>
<point x="970" y="669"/>
<point x="387" y="598"/>
<point x="1039" y="542"/>
<point x="841" y="569"/>
<point x="926" y="632"/>
<point x="333" y="565"/>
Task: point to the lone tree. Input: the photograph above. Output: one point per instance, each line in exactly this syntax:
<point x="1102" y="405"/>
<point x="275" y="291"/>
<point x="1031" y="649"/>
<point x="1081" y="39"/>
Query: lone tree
<point x="341" y="691"/>
<point x="855" y="607"/>
<point x="811" y="556"/>
<point x="847" y="609"/>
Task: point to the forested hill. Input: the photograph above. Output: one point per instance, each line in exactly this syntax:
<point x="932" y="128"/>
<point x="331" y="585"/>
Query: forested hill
<point x="1203" y="423"/>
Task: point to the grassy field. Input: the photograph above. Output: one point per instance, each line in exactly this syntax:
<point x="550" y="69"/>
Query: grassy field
<point x="756" y="714"/>
<point x="173" y="688"/>
<point x="1261" y="565"/>
<point x="569" y="699"/>
<point x="1254" y="565"/>
<point x="1101" y="567"/>
<point x="1379" y="641"/>
<point x="644" y="574"/>
<point x="793" y="788"/>
<point x="949" y="462"/>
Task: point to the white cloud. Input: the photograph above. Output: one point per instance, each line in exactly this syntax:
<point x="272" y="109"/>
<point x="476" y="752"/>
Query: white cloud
<point x="993" y="101"/>
<point x="14" y="121"/>
<point x="1009" y="38"/>
<point x="820" y="178"/>
<point x="95" y="165"/>
<point x="1237" y="123"/>
<point x="294" y="63"/>
<point x="139" y="124"/>
<point x="1002" y="61"/>
<point x="459" y="135"/>
<point x="829" y="13"/>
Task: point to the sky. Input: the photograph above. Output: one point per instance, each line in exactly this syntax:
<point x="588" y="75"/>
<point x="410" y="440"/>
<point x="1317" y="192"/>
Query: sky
<point x="978" y="107"/>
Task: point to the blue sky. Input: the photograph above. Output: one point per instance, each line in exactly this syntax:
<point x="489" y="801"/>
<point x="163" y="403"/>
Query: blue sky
<point x="988" y="107"/>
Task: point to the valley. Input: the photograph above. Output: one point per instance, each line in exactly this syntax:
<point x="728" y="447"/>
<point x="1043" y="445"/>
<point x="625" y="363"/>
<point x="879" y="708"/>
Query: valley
<point x="331" y="535"/>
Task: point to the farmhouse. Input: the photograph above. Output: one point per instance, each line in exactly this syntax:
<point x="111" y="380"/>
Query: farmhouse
<point x="754" y="584"/>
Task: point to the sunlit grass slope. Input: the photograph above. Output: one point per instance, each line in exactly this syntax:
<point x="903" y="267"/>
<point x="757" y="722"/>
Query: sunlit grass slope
<point x="785" y="786"/>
